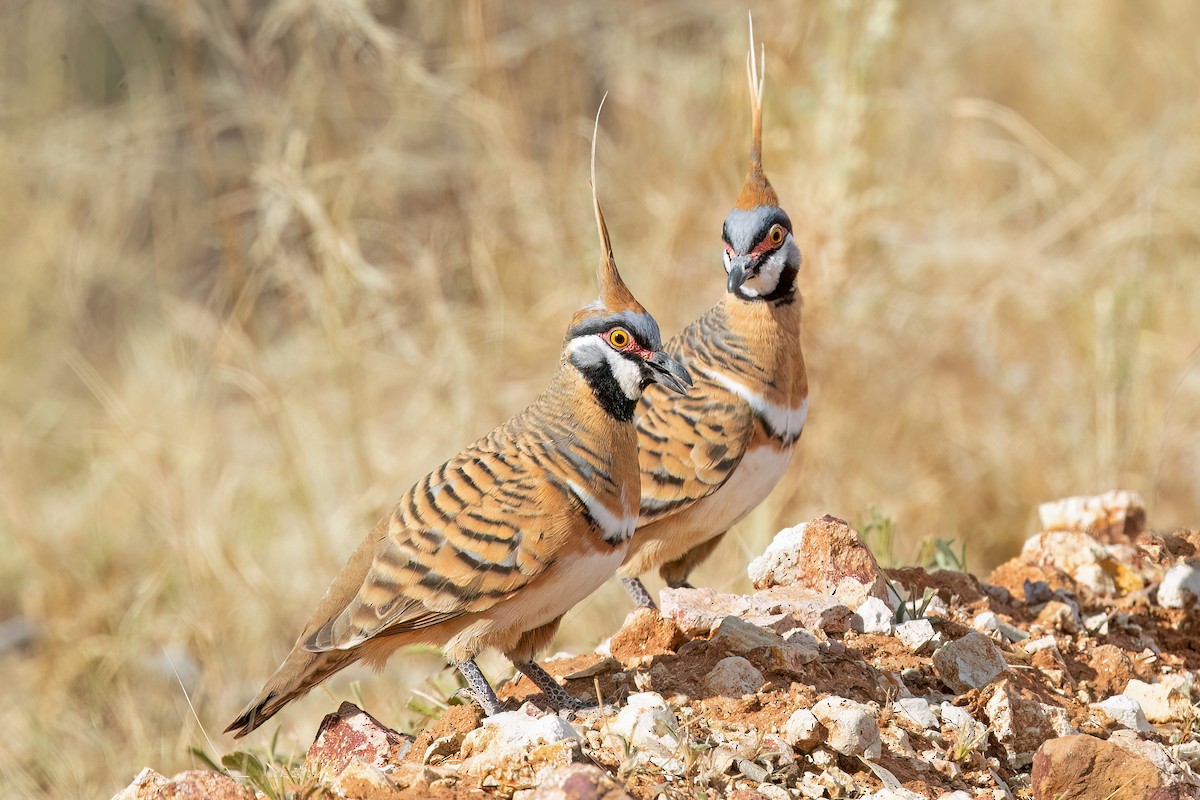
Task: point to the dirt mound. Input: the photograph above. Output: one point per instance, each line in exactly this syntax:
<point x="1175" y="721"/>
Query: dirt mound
<point x="1074" y="667"/>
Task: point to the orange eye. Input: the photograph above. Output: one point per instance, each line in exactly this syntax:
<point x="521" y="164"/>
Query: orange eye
<point x="618" y="337"/>
<point x="776" y="235"/>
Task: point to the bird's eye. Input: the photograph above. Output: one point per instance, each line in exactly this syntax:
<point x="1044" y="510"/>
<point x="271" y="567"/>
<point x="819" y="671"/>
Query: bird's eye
<point x="776" y="235"/>
<point x="618" y="337"/>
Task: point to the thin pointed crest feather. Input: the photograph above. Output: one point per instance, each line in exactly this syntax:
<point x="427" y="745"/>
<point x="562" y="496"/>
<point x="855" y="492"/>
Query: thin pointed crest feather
<point x="757" y="190"/>
<point x="614" y="294"/>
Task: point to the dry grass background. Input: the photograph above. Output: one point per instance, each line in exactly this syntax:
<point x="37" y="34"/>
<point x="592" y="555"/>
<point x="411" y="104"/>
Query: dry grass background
<point x="265" y="264"/>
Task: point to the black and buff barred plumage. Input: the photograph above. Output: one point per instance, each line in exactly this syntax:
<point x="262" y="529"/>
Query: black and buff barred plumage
<point x="710" y="458"/>
<point x="493" y="547"/>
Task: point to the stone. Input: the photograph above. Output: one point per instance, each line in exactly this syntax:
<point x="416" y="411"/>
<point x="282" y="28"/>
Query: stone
<point x="918" y="711"/>
<point x="735" y="635"/>
<point x="971" y="662"/>
<point x="1110" y="517"/>
<point x="1160" y="702"/>
<point x="1099" y="579"/>
<point x="872" y="616"/>
<point x="1163" y="760"/>
<point x="1019" y="722"/>
<point x="852" y="729"/>
<point x="1034" y="645"/>
<point x="915" y="634"/>
<point x="645" y="632"/>
<point x="195" y="784"/>
<point x="803" y="730"/>
<point x="646" y="720"/>
<point x="1084" y="766"/>
<point x="791" y="657"/>
<point x="825" y="555"/>
<point x="775" y="749"/>
<point x="698" y="611"/>
<point x="893" y="794"/>
<point x="1180" y="587"/>
<point x="363" y="780"/>
<point x="579" y="782"/>
<point x="1075" y="553"/>
<point x="1059" y="616"/>
<point x="811" y="609"/>
<point x="986" y="622"/>
<point x="1125" y="711"/>
<point x="734" y="676"/>
<point x="518" y="746"/>
<point x="896" y="741"/>
<point x="957" y="717"/>
<point x="957" y="794"/>
<point x="351" y="734"/>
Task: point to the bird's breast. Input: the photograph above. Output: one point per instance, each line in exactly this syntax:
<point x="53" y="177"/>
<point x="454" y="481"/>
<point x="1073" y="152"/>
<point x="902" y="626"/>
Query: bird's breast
<point x="783" y="422"/>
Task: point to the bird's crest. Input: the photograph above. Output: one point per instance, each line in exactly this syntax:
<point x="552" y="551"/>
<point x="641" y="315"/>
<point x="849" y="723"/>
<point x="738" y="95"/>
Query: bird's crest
<point x="614" y="294"/>
<point x="757" y="190"/>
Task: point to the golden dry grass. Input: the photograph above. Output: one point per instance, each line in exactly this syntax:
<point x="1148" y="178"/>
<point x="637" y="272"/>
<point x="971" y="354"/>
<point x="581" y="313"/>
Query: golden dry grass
<point x="265" y="264"/>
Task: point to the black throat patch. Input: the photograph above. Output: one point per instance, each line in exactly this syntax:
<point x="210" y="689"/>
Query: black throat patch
<point x="607" y="391"/>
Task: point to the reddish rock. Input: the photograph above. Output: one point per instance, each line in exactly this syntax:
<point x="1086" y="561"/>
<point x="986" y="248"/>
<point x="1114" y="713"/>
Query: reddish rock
<point x="579" y="782"/>
<point x="1014" y="574"/>
<point x="1113" y="669"/>
<point x="698" y="611"/>
<point x="746" y="794"/>
<point x="826" y="556"/>
<point x="1077" y="554"/>
<point x="196" y="784"/>
<point x="1083" y="767"/>
<point x="811" y="609"/>
<point x="351" y="734"/>
<point x="645" y="633"/>
<point x="450" y="729"/>
<point x="1019" y="721"/>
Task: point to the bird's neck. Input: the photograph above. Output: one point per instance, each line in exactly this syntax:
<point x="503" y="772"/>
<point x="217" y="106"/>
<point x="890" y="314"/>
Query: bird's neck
<point x="607" y="392"/>
<point x="770" y="334"/>
<point x="763" y="317"/>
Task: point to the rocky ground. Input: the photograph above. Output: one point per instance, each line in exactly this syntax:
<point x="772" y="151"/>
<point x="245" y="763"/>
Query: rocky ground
<point x="1071" y="673"/>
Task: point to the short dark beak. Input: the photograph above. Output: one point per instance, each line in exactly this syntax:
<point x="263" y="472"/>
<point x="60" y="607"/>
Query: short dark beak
<point x="669" y="372"/>
<point x="738" y="272"/>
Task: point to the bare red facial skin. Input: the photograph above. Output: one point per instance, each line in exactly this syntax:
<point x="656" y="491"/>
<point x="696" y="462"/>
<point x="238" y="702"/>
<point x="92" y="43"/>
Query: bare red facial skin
<point x="765" y="246"/>
<point x="637" y="349"/>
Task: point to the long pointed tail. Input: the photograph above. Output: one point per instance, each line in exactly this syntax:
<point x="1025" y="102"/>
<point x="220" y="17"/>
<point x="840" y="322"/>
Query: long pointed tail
<point x="298" y="673"/>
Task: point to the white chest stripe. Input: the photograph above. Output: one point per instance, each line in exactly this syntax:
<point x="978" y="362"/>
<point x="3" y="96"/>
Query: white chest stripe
<point x="616" y="529"/>
<point x="786" y="422"/>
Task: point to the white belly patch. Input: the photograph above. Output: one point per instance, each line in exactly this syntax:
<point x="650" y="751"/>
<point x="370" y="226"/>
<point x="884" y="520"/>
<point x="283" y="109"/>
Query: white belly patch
<point x="753" y="479"/>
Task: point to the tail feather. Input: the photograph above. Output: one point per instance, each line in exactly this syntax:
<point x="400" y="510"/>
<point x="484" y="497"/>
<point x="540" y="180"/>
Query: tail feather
<point x="299" y="673"/>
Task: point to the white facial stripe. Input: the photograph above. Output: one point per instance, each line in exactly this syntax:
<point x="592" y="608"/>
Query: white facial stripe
<point x="616" y="529"/>
<point x="787" y="422"/>
<point x="627" y="373"/>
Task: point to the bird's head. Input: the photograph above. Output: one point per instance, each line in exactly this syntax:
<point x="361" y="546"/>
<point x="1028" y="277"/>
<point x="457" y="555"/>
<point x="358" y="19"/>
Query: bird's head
<point x="613" y="341"/>
<point x="761" y="256"/>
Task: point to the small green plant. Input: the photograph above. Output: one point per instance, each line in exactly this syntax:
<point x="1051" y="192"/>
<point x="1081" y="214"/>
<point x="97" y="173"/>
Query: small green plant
<point x="968" y="738"/>
<point x="913" y="608"/>
<point x="879" y="533"/>
<point x="938" y="553"/>
<point x="277" y="779"/>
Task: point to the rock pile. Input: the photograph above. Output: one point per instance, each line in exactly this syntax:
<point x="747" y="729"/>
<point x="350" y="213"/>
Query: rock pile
<point x="1071" y="673"/>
